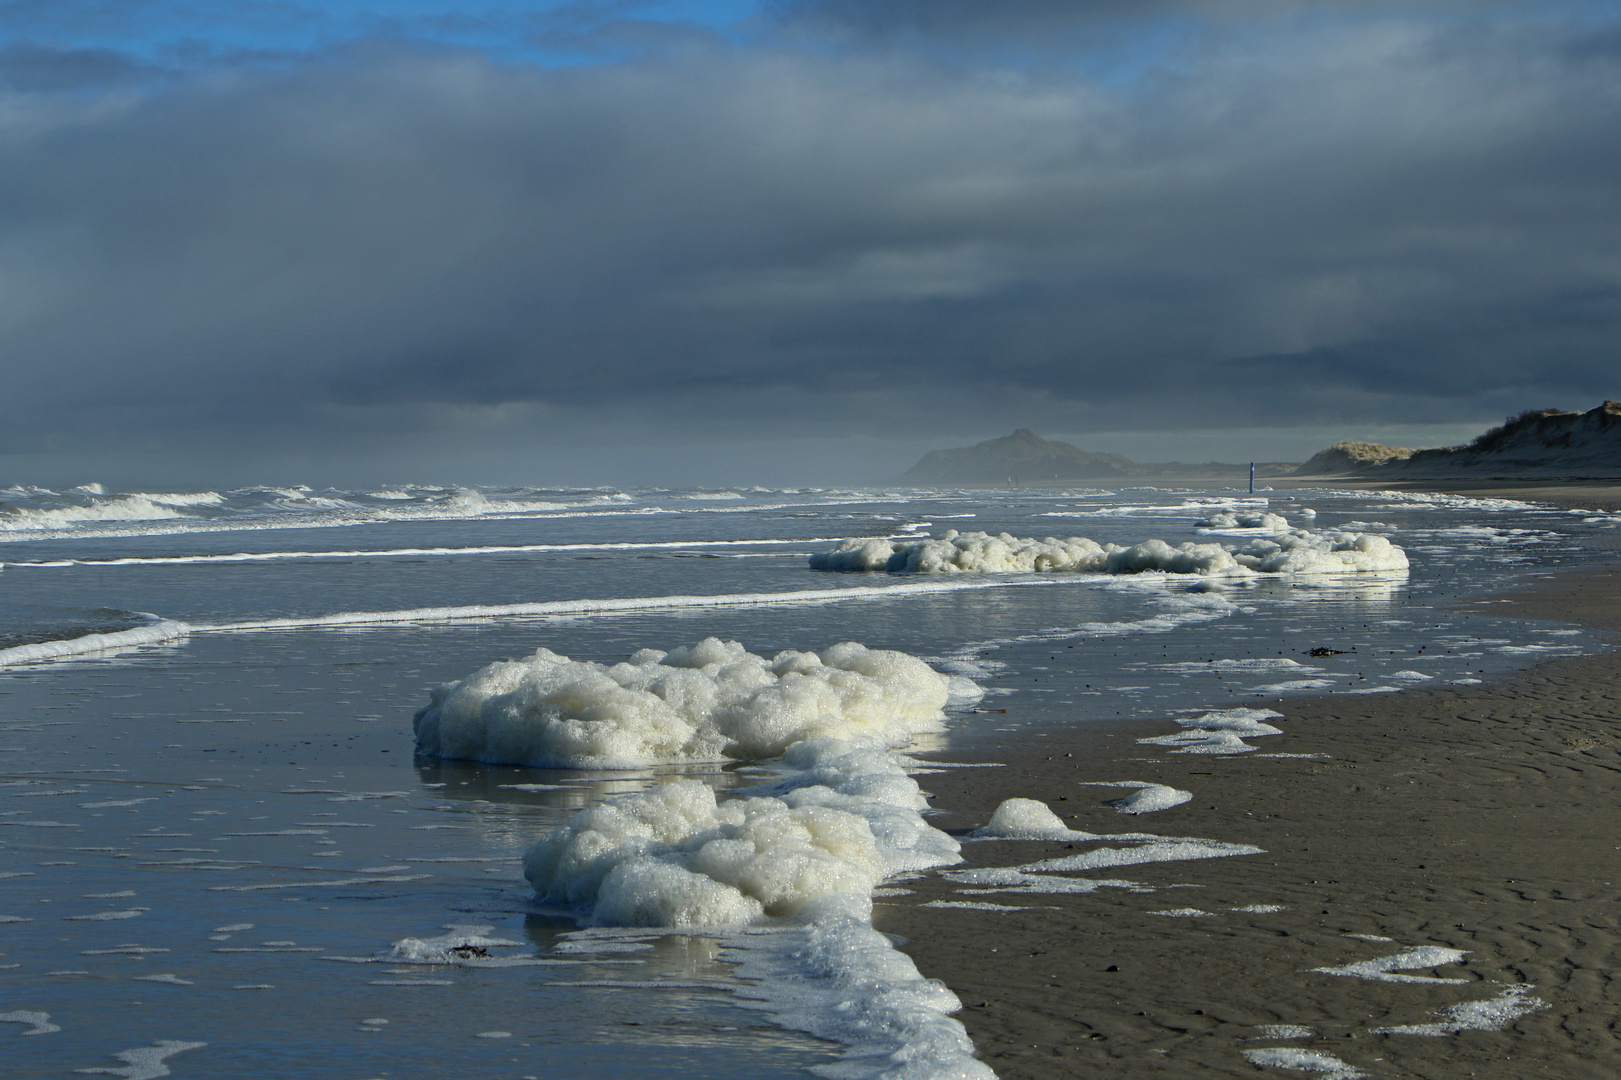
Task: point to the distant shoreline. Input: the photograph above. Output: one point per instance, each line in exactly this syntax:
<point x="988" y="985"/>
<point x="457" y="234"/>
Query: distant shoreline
<point x="1577" y="493"/>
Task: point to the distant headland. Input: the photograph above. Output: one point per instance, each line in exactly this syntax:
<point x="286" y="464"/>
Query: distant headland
<point x="1542" y="444"/>
<point x="1026" y="458"/>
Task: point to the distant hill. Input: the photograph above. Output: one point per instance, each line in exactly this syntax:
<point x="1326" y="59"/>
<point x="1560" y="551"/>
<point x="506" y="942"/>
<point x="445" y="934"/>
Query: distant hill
<point x="1350" y="457"/>
<point x="1539" y="443"/>
<point x="1026" y="458"/>
<point x="1021" y="456"/>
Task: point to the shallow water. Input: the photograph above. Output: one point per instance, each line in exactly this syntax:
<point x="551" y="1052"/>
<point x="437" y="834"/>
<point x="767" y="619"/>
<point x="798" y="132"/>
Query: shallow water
<point x="154" y="799"/>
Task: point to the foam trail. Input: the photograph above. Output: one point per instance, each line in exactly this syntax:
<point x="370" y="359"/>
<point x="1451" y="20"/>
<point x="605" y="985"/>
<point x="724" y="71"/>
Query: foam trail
<point x="607" y="606"/>
<point x="147" y="1062"/>
<point x="1493" y="1014"/>
<point x="1386" y="969"/>
<point x="500" y="549"/>
<point x="803" y="857"/>
<point x="1310" y="1061"/>
<point x="158" y="633"/>
<point x="39" y="1022"/>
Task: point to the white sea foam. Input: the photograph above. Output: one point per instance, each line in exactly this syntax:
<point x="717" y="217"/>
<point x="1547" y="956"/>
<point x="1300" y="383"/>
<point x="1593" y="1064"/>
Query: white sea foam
<point x="1011" y="879"/>
<point x="1041" y="876"/>
<point x="1387" y="968"/>
<point x="1028" y="819"/>
<point x="465" y="945"/>
<point x="1221" y="732"/>
<point x="1312" y="1061"/>
<point x="1148" y="798"/>
<point x="712" y="701"/>
<point x="1291" y="552"/>
<point x="1155" y="850"/>
<point x="1228" y="521"/>
<point x="801" y="855"/>
<point x="841" y="980"/>
<point x="677" y="856"/>
<point x="808" y="852"/>
<point x="411" y="552"/>
<point x="1294" y="684"/>
<point x="122" y="508"/>
<point x="1493" y="1014"/>
<point x="39" y="1023"/>
<point x="979" y="553"/>
<point x="613" y="606"/>
<point x="162" y="632"/>
<point x="147" y="1062"/>
<point x="1262" y="664"/>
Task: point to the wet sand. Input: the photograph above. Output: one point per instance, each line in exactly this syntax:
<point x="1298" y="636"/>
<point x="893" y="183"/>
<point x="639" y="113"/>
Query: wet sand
<point x="1482" y="818"/>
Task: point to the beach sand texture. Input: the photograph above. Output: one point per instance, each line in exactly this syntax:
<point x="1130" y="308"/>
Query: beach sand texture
<point x="1479" y="818"/>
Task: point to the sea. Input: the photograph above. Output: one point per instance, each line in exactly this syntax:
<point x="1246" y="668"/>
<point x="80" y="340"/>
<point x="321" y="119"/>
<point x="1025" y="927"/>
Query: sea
<point x="221" y="854"/>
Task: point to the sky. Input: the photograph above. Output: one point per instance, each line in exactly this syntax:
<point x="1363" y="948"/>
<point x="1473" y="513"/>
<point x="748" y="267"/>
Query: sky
<point x="789" y="241"/>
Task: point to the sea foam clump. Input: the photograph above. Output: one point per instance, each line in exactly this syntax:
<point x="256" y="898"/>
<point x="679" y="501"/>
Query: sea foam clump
<point x="800" y="857"/>
<point x="981" y="553"/>
<point x="846" y="818"/>
<point x="1298" y="551"/>
<point x="712" y="701"/>
<point x="1149" y="798"/>
<point x="1028" y="819"/>
<point x="1221" y="732"/>
<point x="1305" y="552"/>
<point x="677" y="857"/>
<point x="1275" y="523"/>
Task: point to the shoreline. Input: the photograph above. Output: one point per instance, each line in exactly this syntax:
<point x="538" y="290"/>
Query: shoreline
<point x="1477" y="818"/>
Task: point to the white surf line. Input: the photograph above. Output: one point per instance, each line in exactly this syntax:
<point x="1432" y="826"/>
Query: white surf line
<point x="168" y="630"/>
<point x="617" y="605"/>
<point x="503" y="549"/>
<point x="157" y="633"/>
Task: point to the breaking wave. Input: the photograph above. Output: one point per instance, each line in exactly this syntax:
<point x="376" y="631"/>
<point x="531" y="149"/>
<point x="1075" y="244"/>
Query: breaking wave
<point x="161" y="632"/>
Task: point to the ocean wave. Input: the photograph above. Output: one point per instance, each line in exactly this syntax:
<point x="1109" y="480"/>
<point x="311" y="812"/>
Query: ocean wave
<point x="161" y="632"/>
<point x="609" y="606"/>
<point x="382" y="553"/>
<point x="121" y="508"/>
<point x="31" y="512"/>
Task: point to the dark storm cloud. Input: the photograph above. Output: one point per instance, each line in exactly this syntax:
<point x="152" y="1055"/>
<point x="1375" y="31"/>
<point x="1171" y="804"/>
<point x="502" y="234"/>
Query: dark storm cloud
<point x="35" y="68"/>
<point x="1037" y="25"/>
<point x="1400" y="220"/>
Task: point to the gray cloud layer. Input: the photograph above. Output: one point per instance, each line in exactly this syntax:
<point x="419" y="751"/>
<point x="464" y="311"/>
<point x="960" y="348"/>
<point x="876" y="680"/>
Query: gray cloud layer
<point x="1398" y="220"/>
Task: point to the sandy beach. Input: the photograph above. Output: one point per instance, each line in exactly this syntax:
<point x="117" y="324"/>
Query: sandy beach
<point x="1476" y="818"/>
